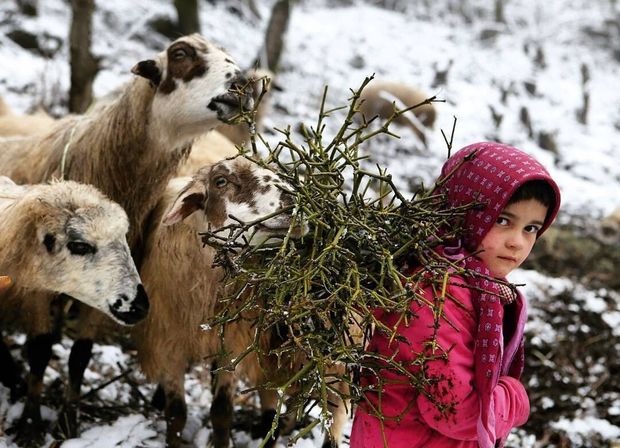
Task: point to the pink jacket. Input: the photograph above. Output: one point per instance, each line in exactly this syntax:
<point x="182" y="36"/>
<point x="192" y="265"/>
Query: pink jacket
<point x="421" y="424"/>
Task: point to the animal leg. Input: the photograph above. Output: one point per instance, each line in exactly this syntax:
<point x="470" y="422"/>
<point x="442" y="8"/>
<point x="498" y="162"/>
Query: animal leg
<point x="9" y="374"/>
<point x="30" y="427"/>
<point x="81" y="352"/>
<point x="67" y="425"/>
<point x="176" y="417"/>
<point x="159" y="398"/>
<point x="268" y="403"/>
<point x="338" y="407"/>
<point x="222" y="408"/>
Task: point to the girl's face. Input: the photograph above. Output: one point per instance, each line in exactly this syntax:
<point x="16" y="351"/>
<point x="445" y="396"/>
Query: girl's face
<point x="510" y="240"/>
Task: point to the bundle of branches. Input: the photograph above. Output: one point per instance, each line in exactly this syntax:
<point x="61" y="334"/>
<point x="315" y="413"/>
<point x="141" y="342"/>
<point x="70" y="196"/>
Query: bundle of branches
<point x="315" y="295"/>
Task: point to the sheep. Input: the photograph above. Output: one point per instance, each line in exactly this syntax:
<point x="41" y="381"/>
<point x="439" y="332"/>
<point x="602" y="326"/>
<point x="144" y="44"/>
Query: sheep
<point x="4" y="108"/>
<point x="64" y="238"/>
<point x="170" y="338"/>
<point x="378" y="97"/>
<point x="206" y="150"/>
<point x="68" y="238"/>
<point x="609" y="227"/>
<point x="129" y="149"/>
<point x="184" y="287"/>
<point x="12" y="124"/>
<point x="220" y="143"/>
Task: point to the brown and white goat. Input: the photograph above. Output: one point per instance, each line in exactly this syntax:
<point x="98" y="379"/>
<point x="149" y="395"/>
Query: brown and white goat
<point x="185" y="288"/>
<point x="379" y="98"/>
<point x="64" y="238"/>
<point x="129" y="149"/>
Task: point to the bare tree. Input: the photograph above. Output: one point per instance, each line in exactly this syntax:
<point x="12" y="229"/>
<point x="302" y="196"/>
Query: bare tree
<point x="582" y="113"/>
<point x="499" y="11"/>
<point x="271" y="51"/>
<point x="187" y="16"/>
<point x="84" y="65"/>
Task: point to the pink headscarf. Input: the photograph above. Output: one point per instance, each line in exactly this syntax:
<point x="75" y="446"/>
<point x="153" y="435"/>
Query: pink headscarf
<point x="490" y="173"/>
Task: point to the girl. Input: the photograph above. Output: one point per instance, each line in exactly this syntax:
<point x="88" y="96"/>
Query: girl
<point x="477" y="397"/>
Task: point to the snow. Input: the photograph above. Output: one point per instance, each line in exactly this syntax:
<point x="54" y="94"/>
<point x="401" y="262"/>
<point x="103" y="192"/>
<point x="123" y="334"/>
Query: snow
<point x="339" y="46"/>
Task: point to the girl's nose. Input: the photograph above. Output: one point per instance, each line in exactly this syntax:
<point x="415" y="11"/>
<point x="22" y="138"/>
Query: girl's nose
<point x="515" y="240"/>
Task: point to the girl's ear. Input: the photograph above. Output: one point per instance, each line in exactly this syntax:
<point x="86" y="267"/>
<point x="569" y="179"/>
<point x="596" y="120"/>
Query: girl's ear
<point x="192" y="198"/>
<point x="148" y="69"/>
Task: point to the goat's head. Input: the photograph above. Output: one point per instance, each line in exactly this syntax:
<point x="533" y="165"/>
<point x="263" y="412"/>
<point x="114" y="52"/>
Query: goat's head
<point x="236" y="191"/>
<point x="81" y="250"/>
<point x="198" y="85"/>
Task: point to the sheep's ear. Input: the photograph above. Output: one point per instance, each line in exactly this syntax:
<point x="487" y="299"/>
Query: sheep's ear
<point x="192" y="198"/>
<point x="148" y="69"/>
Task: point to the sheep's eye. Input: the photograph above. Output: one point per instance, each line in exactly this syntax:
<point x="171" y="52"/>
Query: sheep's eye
<point x="79" y="248"/>
<point x="179" y="54"/>
<point x="221" y="181"/>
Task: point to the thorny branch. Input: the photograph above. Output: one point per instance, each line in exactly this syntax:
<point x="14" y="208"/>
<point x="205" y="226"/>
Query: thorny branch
<point x="316" y="294"/>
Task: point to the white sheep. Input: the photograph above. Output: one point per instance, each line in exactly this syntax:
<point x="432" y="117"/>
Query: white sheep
<point x="65" y="238"/>
<point x="129" y="149"/>
<point x="68" y="238"/>
<point x="379" y="97"/>
<point x="184" y="287"/>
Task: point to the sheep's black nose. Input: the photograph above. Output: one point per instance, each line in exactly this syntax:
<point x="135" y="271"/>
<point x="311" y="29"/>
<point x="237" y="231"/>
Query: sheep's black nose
<point x="138" y="307"/>
<point x="141" y="302"/>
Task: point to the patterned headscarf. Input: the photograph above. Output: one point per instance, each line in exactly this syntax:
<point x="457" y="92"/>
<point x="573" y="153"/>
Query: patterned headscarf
<point x="490" y="173"/>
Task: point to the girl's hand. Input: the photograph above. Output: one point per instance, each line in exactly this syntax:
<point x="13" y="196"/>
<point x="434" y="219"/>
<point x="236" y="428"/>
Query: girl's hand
<point x="5" y="282"/>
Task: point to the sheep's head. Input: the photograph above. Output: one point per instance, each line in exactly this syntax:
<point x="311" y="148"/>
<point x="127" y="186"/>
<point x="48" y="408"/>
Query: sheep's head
<point x="80" y="249"/>
<point x="234" y="191"/>
<point x="197" y="84"/>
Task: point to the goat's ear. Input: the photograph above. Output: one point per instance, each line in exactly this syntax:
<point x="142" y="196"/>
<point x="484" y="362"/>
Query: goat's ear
<point x="192" y="198"/>
<point x="148" y="69"/>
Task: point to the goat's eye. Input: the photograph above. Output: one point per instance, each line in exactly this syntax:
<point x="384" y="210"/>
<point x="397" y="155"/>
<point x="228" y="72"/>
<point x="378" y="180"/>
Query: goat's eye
<point x="179" y="54"/>
<point x="80" y="248"/>
<point x="221" y="181"/>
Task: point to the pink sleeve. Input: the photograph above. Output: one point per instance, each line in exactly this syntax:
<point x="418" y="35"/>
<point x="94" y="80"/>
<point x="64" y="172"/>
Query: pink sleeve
<point x="455" y="387"/>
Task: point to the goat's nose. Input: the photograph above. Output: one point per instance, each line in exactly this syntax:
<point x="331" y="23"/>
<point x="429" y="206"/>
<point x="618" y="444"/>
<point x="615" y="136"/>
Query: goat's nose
<point x="243" y="87"/>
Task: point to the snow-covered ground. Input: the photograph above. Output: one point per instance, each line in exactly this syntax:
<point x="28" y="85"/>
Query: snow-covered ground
<point x="339" y="46"/>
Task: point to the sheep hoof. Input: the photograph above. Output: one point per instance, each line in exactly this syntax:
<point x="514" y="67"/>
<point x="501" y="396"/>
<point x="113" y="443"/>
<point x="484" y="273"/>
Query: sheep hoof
<point x="30" y="429"/>
<point x="67" y="426"/>
<point x="212" y="443"/>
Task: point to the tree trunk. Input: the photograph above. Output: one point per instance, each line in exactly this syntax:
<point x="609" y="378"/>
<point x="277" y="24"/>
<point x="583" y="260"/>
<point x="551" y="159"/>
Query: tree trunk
<point x="84" y="65"/>
<point x="499" y="11"/>
<point x="269" y="56"/>
<point x="187" y="15"/>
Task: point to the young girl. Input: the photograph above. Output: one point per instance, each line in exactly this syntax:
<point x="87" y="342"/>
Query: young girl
<point x="481" y="327"/>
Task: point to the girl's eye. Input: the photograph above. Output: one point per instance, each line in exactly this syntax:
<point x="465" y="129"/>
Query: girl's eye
<point x="79" y="248"/>
<point x="502" y="221"/>
<point x="532" y="229"/>
<point x="221" y="181"/>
